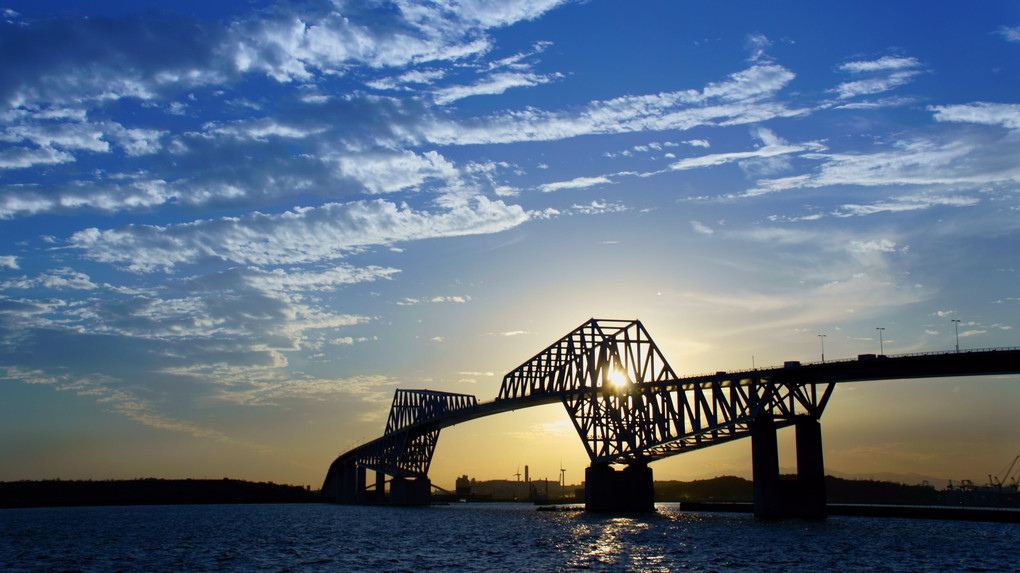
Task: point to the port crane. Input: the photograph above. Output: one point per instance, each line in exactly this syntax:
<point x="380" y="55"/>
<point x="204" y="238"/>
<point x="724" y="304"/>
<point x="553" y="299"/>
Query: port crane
<point x="996" y="481"/>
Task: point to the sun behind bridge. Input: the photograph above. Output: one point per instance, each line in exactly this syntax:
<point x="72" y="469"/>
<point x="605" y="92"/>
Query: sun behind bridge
<point x="618" y="378"/>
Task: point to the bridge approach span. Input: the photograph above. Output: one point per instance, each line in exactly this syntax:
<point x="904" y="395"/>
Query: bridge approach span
<point x="629" y="407"/>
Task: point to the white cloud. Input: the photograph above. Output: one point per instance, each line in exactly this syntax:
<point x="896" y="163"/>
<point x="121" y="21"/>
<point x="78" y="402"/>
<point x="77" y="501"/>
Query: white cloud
<point x="112" y="197"/>
<point x="136" y="141"/>
<point x="598" y="208"/>
<point x="288" y="48"/>
<point x="422" y="77"/>
<point x="777" y="185"/>
<point x="887" y="73"/>
<point x="744" y="98"/>
<point x="94" y="62"/>
<point x="447" y="20"/>
<point x="881" y="64"/>
<point x="77" y="135"/>
<point x="576" y="183"/>
<point x="409" y="301"/>
<point x="773" y="147"/>
<point x="907" y="203"/>
<point x="1004" y="114"/>
<point x="492" y="85"/>
<point x="386" y="172"/>
<point x="874" y="85"/>
<point x="459" y="299"/>
<point x="873" y="246"/>
<point x="299" y="236"/>
<point x="757" y="44"/>
<point x="9" y="261"/>
<point x="960" y="162"/>
<point x="58" y="279"/>
<point x="895" y="101"/>
<point x="771" y="157"/>
<point x="1010" y="34"/>
<point x="280" y="280"/>
<point x="262" y="129"/>
<point x="22" y="157"/>
<point x="774" y="235"/>
<point x="702" y="228"/>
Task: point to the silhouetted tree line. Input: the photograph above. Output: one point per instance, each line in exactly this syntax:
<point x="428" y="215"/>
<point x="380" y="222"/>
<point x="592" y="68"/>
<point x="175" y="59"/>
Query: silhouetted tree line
<point x="871" y="491"/>
<point x="724" y="488"/>
<point x="151" y="491"/>
<point x="838" y="490"/>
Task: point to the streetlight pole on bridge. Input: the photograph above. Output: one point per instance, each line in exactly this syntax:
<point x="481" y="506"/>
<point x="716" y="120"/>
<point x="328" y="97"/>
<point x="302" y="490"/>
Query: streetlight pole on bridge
<point x="956" y="326"/>
<point x="881" y="346"/>
<point x="822" y="338"/>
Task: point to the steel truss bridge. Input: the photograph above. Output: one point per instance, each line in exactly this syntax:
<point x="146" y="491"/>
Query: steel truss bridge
<point x="630" y="408"/>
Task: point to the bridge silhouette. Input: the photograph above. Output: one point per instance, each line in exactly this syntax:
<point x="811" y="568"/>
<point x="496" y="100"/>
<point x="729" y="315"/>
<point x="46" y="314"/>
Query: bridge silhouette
<point x="630" y="408"/>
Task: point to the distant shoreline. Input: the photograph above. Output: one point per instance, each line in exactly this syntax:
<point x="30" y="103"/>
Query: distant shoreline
<point x="148" y="491"/>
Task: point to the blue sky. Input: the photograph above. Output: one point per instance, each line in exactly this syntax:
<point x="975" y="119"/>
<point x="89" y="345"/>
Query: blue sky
<point x="230" y="230"/>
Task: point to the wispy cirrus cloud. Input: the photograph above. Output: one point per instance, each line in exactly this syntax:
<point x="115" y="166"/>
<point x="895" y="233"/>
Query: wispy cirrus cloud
<point x="960" y="162"/>
<point x="773" y="147"/>
<point x="576" y="183"/>
<point x="1005" y="114"/>
<point x="906" y="203"/>
<point x="492" y="85"/>
<point x="884" y="74"/>
<point x="298" y="236"/>
<point x="409" y="301"/>
<point x="746" y="97"/>
<point x="1010" y="34"/>
<point x="145" y="58"/>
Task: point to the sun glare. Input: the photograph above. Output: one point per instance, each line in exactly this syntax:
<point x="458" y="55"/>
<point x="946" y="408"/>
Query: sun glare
<point x="618" y="378"/>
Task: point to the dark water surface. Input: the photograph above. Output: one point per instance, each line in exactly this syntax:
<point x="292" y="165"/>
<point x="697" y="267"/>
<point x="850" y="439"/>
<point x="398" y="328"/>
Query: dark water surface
<point x="484" y="537"/>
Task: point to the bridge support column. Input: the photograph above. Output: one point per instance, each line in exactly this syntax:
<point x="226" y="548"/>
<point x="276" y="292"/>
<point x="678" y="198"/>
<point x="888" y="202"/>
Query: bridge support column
<point x="810" y="496"/>
<point x="765" y="467"/>
<point x="803" y="496"/>
<point x="409" y="491"/>
<point x="606" y="489"/>
<point x="380" y="487"/>
<point x="346" y="489"/>
<point x="360" y="484"/>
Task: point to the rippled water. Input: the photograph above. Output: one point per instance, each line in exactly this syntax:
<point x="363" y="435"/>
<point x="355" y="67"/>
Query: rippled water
<point x="483" y="537"/>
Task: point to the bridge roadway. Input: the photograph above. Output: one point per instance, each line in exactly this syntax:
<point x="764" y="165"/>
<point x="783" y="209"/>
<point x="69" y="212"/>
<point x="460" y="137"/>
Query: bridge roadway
<point x="651" y="415"/>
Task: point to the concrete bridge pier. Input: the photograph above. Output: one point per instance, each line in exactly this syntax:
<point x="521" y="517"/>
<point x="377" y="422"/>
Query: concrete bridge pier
<point x="344" y="483"/>
<point x="410" y="491"/>
<point x="618" y="491"/>
<point x="801" y="496"/>
<point x="360" y="484"/>
<point x="380" y="488"/>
